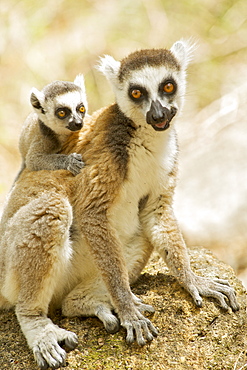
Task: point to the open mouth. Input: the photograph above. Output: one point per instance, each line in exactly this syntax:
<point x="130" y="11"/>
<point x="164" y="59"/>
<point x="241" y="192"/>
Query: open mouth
<point x="162" y="125"/>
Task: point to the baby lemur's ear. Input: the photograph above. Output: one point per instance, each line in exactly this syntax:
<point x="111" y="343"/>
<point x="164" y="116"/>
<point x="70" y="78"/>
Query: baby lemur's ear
<point x="79" y="81"/>
<point x="37" y="99"/>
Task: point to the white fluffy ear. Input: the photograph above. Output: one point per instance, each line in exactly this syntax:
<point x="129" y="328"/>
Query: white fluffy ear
<point x="183" y="51"/>
<point x="109" y="67"/>
<point x="37" y="98"/>
<point x="79" y="81"/>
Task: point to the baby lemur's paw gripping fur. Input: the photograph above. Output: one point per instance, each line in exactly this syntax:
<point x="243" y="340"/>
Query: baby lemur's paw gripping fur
<point x="75" y="163"/>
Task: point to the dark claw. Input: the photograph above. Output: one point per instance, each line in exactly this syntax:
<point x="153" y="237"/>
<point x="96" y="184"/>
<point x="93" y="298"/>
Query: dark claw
<point x="235" y="308"/>
<point x="71" y="344"/>
<point x="60" y="364"/>
<point x="44" y="366"/>
<point x="113" y="327"/>
<point x="198" y="303"/>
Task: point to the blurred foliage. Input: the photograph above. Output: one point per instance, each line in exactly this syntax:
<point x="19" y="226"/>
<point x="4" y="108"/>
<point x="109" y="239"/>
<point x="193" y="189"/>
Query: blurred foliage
<point x="57" y="39"/>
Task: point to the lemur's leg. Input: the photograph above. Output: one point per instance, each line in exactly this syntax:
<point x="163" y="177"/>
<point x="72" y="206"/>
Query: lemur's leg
<point x="39" y="252"/>
<point x="108" y="255"/>
<point x="167" y="239"/>
<point x="138" y="253"/>
<point x="90" y="298"/>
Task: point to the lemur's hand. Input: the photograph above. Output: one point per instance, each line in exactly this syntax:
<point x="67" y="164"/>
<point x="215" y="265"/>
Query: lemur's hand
<point x="138" y="327"/>
<point x="203" y="287"/>
<point x="75" y="163"/>
<point x="142" y="307"/>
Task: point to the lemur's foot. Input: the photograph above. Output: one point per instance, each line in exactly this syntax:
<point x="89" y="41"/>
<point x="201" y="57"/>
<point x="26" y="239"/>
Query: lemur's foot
<point x="47" y="347"/>
<point x="110" y="321"/>
<point x="138" y="327"/>
<point x="219" y="289"/>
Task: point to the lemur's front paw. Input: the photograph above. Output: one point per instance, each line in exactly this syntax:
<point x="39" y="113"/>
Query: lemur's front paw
<point x="138" y="327"/>
<point x="219" y="289"/>
<point x="75" y="163"/>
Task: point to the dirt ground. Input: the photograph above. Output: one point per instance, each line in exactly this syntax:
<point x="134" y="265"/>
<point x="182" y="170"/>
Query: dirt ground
<point x="189" y="338"/>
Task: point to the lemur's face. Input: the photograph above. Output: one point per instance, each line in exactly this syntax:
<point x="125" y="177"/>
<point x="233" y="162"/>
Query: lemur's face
<point x="61" y="105"/>
<point x="149" y="84"/>
<point x="152" y="94"/>
<point x="65" y="112"/>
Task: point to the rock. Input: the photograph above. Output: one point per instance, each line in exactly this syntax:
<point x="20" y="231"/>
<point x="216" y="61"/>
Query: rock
<point x="189" y="337"/>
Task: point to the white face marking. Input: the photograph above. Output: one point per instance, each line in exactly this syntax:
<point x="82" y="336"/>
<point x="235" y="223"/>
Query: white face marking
<point x="150" y="79"/>
<point x="70" y="100"/>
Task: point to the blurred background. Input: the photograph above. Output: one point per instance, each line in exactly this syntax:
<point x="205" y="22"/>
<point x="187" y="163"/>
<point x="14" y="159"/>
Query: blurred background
<point x="41" y="41"/>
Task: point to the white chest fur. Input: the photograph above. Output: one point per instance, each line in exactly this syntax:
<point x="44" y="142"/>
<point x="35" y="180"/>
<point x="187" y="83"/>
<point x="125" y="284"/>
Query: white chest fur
<point x="151" y="159"/>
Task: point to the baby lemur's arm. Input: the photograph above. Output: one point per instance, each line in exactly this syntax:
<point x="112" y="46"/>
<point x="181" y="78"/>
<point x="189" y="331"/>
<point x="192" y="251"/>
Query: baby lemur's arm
<point x="43" y="149"/>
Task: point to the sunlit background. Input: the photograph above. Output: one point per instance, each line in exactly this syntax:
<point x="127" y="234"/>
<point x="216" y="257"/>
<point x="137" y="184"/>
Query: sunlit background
<point x="41" y="41"/>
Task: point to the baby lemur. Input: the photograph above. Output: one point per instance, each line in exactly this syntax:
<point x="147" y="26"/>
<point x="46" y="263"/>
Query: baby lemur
<point x="59" y="109"/>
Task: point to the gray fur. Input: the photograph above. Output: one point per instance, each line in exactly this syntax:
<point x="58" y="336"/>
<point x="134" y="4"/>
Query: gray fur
<point x="44" y="133"/>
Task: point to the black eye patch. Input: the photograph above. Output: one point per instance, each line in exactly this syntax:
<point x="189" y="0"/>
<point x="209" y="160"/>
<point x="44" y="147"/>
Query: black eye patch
<point x="62" y="112"/>
<point x="81" y="109"/>
<point x="137" y="93"/>
<point x="168" y="87"/>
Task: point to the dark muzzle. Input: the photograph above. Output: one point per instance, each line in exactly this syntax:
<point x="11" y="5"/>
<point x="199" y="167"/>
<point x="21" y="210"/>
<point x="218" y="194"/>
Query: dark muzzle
<point x="160" y="117"/>
<point x="75" y="125"/>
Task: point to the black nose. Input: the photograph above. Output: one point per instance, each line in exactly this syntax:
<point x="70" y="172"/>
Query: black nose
<point x="158" y="113"/>
<point x="75" y="125"/>
<point x="78" y="124"/>
<point x="159" y="117"/>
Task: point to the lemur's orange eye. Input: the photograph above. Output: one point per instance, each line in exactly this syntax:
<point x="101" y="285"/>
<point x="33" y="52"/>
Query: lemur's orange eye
<point x="61" y="113"/>
<point x="169" y="88"/>
<point x="82" y="109"/>
<point x="136" y="94"/>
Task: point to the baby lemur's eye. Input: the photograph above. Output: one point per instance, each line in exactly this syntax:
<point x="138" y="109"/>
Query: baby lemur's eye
<point x="136" y="94"/>
<point x="62" y="112"/>
<point x="82" y="109"/>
